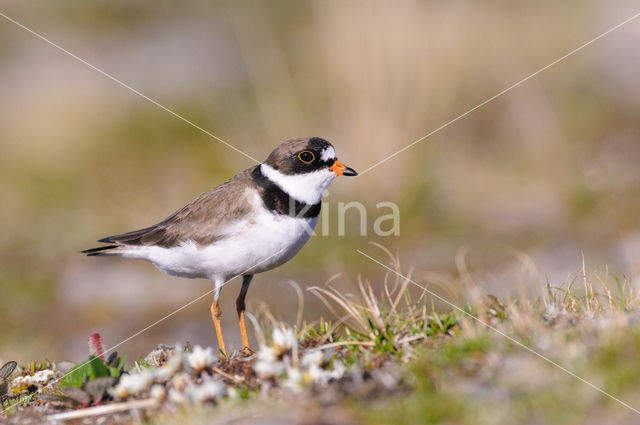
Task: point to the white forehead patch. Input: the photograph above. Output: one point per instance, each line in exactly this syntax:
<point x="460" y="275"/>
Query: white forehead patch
<point x="328" y="153"/>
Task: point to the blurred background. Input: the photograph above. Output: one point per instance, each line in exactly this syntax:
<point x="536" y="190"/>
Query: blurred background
<point x="528" y="184"/>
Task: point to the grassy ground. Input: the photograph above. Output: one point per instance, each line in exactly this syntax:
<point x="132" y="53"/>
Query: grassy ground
<point x="549" y="168"/>
<point x="567" y="357"/>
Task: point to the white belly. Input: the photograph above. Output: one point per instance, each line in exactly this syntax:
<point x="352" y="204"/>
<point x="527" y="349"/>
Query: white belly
<point x="263" y="243"/>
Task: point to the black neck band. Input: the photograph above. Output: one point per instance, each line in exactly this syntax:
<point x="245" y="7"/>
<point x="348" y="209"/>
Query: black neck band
<point x="278" y="201"/>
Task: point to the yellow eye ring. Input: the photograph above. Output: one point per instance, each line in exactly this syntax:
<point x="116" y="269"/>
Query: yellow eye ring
<point x="306" y="156"/>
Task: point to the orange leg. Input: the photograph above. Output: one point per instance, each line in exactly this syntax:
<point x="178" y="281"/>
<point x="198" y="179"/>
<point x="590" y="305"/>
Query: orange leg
<point x="240" y="307"/>
<point x="243" y="330"/>
<point x="216" y="313"/>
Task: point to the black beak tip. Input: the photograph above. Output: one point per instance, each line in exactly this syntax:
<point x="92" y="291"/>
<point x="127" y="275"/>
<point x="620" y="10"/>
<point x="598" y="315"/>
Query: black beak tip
<point x="349" y="172"/>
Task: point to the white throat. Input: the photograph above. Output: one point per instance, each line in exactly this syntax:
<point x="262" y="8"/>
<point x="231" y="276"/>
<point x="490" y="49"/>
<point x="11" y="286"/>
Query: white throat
<point x="307" y="188"/>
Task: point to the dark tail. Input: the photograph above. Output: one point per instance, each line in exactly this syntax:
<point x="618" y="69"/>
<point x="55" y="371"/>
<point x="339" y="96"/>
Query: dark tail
<point x="101" y="250"/>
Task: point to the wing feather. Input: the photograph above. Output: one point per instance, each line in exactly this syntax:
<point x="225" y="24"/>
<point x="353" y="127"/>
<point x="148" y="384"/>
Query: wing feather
<point x="202" y="220"/>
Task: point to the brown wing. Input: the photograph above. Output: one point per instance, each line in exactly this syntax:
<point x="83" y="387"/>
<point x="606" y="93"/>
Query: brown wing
<point x="202" y="220"/>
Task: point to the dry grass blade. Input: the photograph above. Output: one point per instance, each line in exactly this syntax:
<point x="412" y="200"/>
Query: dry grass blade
<point x="262" y="340"/>
<point x="348" y="305"/>
<point x="401" y="293"/>
<point x="380" y="318"/>
<point x="104" y="410"/>
<point x="373" y="308"/>
<point x="300" y="295"/>
<point x="343" y="343"/>
<point x="238" y="380"/>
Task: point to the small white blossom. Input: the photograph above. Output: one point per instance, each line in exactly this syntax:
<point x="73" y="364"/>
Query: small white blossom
<point x="43" y="376"/>
<point x="207" y="391"/>
<point x="177" y="397"/>
<point x="38" y="379"/>
<point x="315" y="374"/>
<point x="267" y="363"/>
<point x="181" y="381"/>
<point x="133" y="384"/>
<point x="233" y="393"/>
<point x="322" y="376"/>
<point x="158" y="392"/>
<point x="170" y="368"/>
<point x="311" y="361"/>
<point x="267" y="354"/>
<point x="293" y="381"/>
<point x="201" y="358"/>
<point x="284" y="339"/>
<point x="338" y="371"/>
<point x="312" y="358"/>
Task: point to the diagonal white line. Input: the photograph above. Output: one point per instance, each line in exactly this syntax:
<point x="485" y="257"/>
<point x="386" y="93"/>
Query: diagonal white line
<point x="154" y="323"/>
<point x="560" y="59"/>
<point x="109" y="76"/>
<point x="515" y="341"/>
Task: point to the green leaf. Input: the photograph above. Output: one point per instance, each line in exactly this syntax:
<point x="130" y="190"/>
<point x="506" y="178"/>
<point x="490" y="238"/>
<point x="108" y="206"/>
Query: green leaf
<point x="116" y="371"/>
<point x="97" y="369"/>
<point x="142" y="364"/>
<point x="91" y="369"/>
<point x="75" y="376"/>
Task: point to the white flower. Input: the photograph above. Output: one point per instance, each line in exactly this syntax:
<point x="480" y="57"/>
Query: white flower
<point x="323" y="376"/>
<point x="158" y="392"/>
<point x="21" y="381"/>
<point x="284" y="339"/>
<point x="338" y="370"/>
<point x="181" y="381"/>
<point x="170" y="368"/>
<point x="201" y="358"/>
<point x="177" y="397"/>
<point x="207" y="391"/>
<point x="311" y="361"/>
<point x="267" y="363"/>
<point x="133" y="384"/>
<point x="315" y="373"/>
<point x="312" y="358"/>
<point x="233" y="393"/>
<point x="38" y="379"/>
<point x="293" y="380"/>
<point x="43" y="376"/>
<point x="267" y="354"/>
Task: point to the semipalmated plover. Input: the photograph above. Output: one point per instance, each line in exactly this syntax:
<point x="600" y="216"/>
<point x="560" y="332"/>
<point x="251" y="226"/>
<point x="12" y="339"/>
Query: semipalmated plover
<point x="253" y="222"/>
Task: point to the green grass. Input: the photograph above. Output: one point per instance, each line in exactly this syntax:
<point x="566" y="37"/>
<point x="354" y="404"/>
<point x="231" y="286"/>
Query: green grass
<point x="408" y="363"/>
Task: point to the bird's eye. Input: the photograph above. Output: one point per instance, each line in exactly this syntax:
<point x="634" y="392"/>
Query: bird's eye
<point x="306" y="156"/>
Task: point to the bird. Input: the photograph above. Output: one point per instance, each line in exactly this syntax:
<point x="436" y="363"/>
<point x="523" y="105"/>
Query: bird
<point x="254" y="222"/>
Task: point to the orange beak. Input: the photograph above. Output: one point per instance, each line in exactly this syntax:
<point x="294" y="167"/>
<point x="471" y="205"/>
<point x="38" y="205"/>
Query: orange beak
<point x="342" y="170"/>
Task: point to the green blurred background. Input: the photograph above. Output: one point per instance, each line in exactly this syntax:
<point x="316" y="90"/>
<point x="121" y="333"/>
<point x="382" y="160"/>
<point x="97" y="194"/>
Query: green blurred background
<point x="536" y="178"/>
